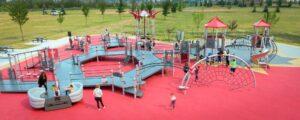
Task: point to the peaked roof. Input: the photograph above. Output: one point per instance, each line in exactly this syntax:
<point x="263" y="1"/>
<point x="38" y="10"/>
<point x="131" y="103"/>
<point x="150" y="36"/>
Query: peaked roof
<point x="261" y="23"/>
<point x="215" y="23"/>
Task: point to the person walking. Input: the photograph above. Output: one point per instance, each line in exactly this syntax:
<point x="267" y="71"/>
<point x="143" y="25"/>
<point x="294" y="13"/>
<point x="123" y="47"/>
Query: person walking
<point x="42" y="81"/>
<point x="98" y="96"/>
<point x="173" y="101"/>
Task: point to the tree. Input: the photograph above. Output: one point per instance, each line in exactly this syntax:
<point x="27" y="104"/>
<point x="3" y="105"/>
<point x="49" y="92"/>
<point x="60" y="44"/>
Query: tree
<point x="174" y="6"/>
<point x="120" y="7"/>
<point x="236" y="2"/>
<point x="60" y="18"/>
<point x="269" y="2"/>
<point x="290" y="3"/>
<point x="261" y="3"/>
<point x="143" y="6"/>
<point x="85" y="10"/>
<point x="254" y="9"/>
<point x="102" y="7"/>
<point x="180" y="5"/>
<point x="133" y="5"/>
<point x="221" y="3"/>
<point x="229" y="4"/>
<point x="271" y="17"/>
<point x="277" y="9"/>
<point x="149" y="6"/>
<point x="210" y="3"/>
<point x="18" y="11"/>
<point x="279" y="3"/>
<point x="242" y="4"/>
<point x="252" y="3"/>
<point x="266" y="9"/>
<point x="166" y="8"/>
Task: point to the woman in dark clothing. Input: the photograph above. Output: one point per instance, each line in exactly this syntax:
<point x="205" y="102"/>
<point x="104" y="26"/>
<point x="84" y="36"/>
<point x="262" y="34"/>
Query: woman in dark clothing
<point x="42" y="81"/>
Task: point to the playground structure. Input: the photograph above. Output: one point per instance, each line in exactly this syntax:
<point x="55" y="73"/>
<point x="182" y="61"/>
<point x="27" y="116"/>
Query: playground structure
<point x="257" y="49"/>
<point x="71" y="70"/>
<point x="35" y="61"/>
<point x="260" y="50"/>
<point x="138" y="15"/>
<point x="210" y="71"/>
<point x="143" y="54"/>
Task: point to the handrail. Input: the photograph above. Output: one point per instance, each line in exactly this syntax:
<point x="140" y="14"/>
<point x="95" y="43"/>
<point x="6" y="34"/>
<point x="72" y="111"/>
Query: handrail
<point x="186" y="77"/>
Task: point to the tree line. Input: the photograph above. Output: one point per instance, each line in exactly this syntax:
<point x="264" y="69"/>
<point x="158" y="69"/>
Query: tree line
<point x="18" y="10"/>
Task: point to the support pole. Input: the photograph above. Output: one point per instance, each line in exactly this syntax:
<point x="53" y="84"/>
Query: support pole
<point x="189" y="53"/>
<point x="164" y="63"/>
<point x="173" y="64"/>
<point x="113" y="82"/>
<point x="97" y="52"/>
<point x="123" y="85"/>
<point x="135" y="86"/>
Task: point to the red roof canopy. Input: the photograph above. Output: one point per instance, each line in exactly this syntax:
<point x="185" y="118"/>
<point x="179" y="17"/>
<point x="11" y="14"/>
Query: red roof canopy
<point x="215" y="23"/>
<point x="261" y="23"/>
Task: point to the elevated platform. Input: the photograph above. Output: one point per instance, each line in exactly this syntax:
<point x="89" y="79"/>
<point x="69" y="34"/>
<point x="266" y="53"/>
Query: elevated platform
<point x="66" y="73"/>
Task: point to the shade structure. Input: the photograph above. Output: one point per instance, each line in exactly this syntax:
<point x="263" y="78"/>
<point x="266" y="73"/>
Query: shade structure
<point x="261" y="23"/>
<point x="136" y="15"/>
<point x="215" y="23"/>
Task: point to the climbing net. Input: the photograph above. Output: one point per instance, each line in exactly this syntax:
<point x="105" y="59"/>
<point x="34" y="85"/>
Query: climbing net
<point x="214" y="68"/>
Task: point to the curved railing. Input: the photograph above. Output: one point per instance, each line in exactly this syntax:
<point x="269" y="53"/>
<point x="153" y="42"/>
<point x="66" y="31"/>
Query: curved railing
<point x="203" y="65"/>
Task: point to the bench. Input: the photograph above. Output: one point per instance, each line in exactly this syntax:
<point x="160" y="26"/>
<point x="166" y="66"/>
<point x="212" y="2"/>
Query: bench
<point x="39" y="40"/>
<point x="6" y="49"/>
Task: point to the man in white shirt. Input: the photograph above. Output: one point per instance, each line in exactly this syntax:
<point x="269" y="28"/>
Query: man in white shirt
<point x="98" y="96"/>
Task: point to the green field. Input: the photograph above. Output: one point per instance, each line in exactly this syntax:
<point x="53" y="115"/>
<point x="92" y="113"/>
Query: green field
<point x="287" y="30"/>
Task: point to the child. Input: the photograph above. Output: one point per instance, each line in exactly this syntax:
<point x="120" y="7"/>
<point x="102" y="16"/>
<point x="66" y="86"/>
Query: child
<point x="69" y="89"/>
<point x="173" y="101"/>
<point x="56" y="90"/>
<point x="233" y="66"/>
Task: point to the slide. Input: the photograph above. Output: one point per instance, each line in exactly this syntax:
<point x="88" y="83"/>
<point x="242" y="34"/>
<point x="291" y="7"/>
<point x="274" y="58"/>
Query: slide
<point x="255" y="58"/>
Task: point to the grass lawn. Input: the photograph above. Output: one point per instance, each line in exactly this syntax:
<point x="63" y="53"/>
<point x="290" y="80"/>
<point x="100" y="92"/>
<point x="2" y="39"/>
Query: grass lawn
<point x="287" y="30"/>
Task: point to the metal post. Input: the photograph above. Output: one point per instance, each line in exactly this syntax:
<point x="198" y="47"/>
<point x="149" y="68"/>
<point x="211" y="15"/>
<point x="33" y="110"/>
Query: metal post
<point x="144" y="27"/>
<point x="96" y="54"/>
<point x="135" y="86"/>
<point x="173" y="63"/>
<point x="123" y="85"/>
<point x="164" y="61"/>
<point x="113" y="82"/>
<point x="189" y="53"/>
<point x="119" y="66"/>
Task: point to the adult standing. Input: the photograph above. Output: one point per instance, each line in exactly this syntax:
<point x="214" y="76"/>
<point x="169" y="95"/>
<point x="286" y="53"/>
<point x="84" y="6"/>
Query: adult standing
<point x="42" y="81"/>
<point x="98" y="96"/>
